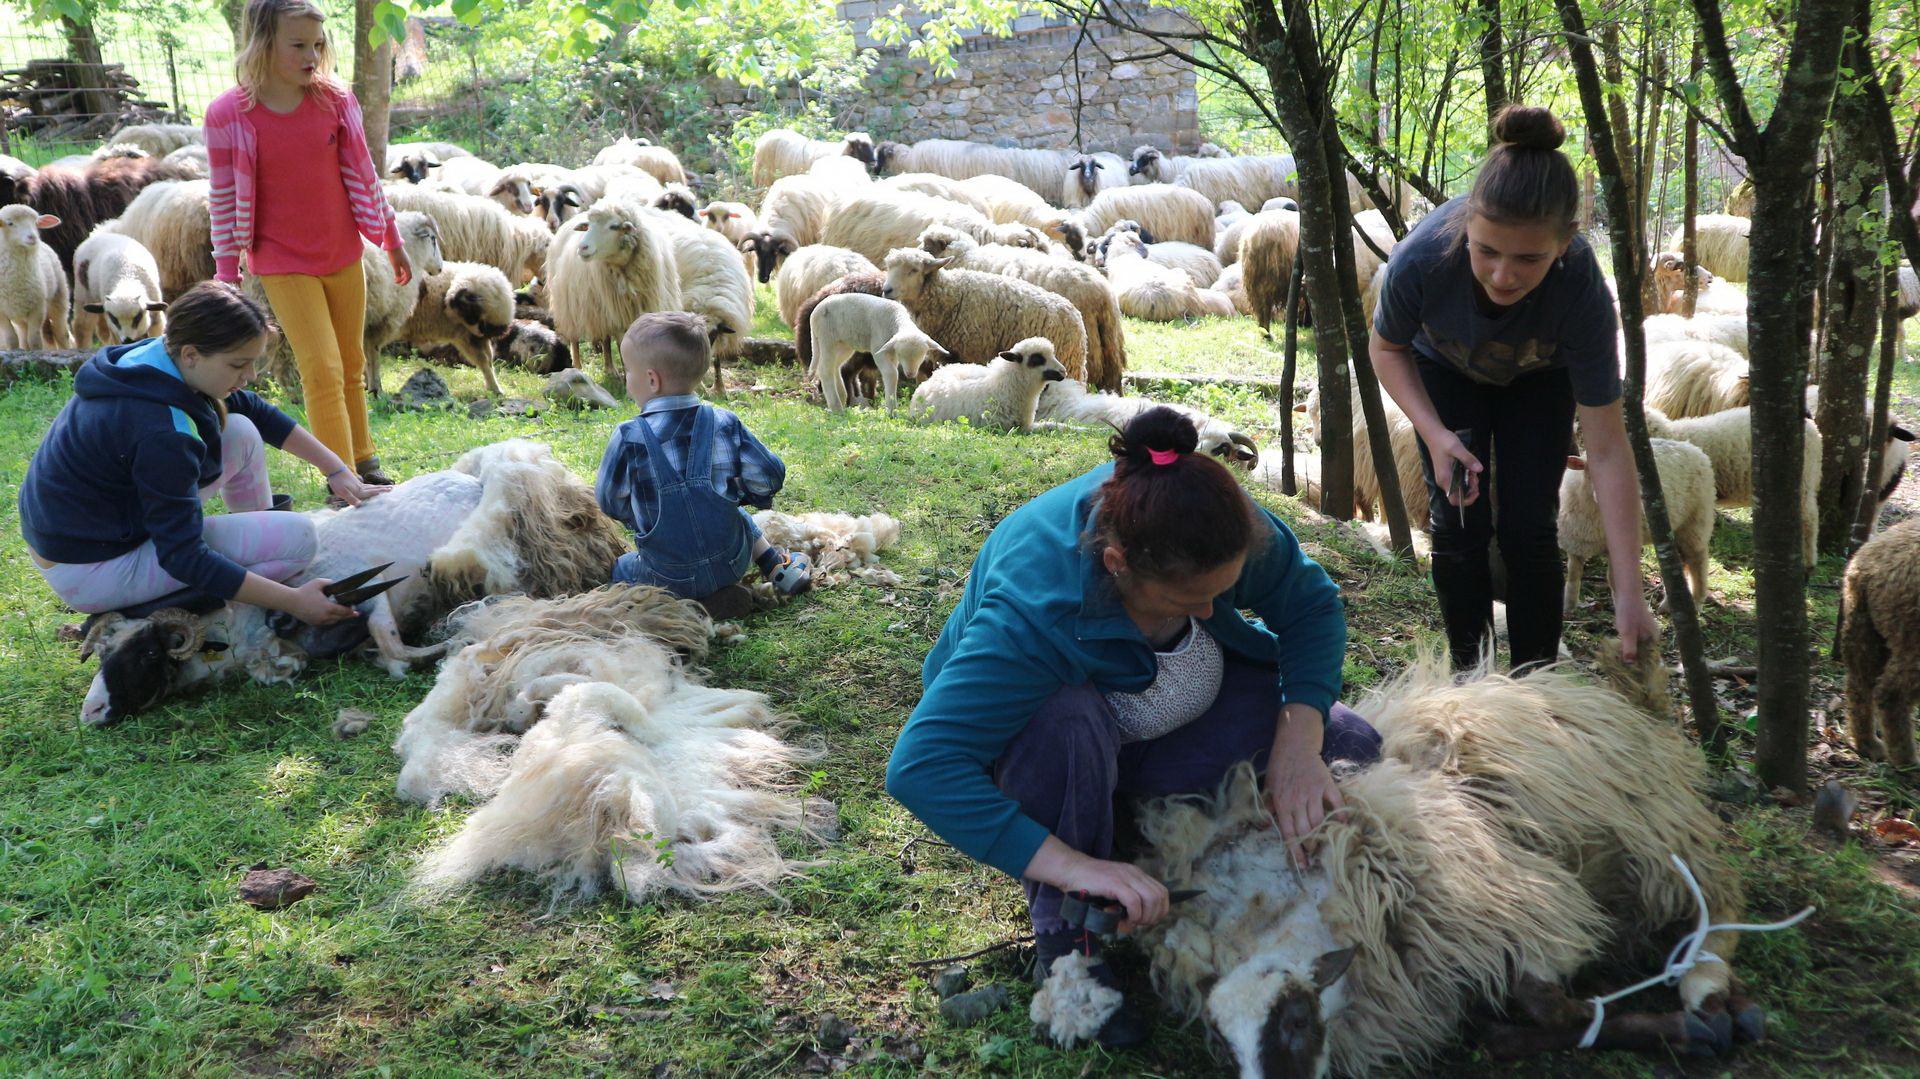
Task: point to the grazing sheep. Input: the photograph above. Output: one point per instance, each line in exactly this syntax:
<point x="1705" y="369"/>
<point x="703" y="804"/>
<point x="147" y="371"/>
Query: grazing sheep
<point x="656" y="161"/>
<point x="477" y="229"/>
<point x="1727" y="331"/>
<point x="1249" y="181"/>
<point x="797" y="209"/>
<point x="1686" y="479"/>
<point x="1146" y="289"/>
<point x="877" y="223"/>
<point x="811" y="269"/>
<point x="1090" y="174"/>
<point x="84" y="196"/>
<point x="172" y="220"/>
<point x="780" y="153"/>
<point x="159" y="140"/>
<point x="1368" y="496"/>
<point x="1695" y="378"/>
<point x="1039" y="170"/>
<point x="1880" y="643"/>
<point x="1071" y="402"/>
<point x="609" y="269"/>
<point x="534" y="346"/>
<point x="574" y="388"/>
<point x="1727" y="440"/>
<point x="1003" y="394"/>
<point x="1077" y="283"/>
<point x="677" y="198"/>
<point x="1721" y="242"/>
<point x="1168" y="212"/>
<point x="33" y="289"/>
<point x="116" y="292"/>
<point x="849" y="323"/>
<point x="978" y="315"/>
<point x="467" y="305"/>
<point x="1195" y="261"/>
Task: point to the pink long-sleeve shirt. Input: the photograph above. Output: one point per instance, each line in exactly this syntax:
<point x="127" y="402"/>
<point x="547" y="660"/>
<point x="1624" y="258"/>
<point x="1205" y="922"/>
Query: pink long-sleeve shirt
<point x="239" y="172"/>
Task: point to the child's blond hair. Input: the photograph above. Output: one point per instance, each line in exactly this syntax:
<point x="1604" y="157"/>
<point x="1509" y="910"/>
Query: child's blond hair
<point x="673" y="343"/>
<point x="258" y="24"/>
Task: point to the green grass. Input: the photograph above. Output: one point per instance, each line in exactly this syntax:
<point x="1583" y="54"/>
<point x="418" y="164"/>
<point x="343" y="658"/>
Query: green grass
<point x="123" y="950"/>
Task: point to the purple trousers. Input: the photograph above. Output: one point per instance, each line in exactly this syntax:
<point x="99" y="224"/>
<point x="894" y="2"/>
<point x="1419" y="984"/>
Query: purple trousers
<point x="1068" y="769"/>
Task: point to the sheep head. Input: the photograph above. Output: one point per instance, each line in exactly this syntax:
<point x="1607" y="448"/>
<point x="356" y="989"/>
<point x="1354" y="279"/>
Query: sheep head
<point x="907" y="351"/>
<point x="482" y="303"/>
<point x="945" y="241"/>
<point x="885" y="156"/>
<point x="515" y="192"/>
<point x="772" y="249"/>
<point x="130" y="315"/>
<point x="1273" y="1014"/>
<point x="21" y="226"/>
<point x="559" y="203"/>
<point x="1146" y="162"/>
<point x="676" y="198"/>
<point x="421" y="239"/>
<point x="1036" y="357"/>
<point x="910" y="273"/>
<point x="1073" y="235"/>
<point x="1083" y="169"/>
<point x="611" y="232"/>
<point x="859" y="146"/>
<point x="413" y="167"/>
<point x="141" y="661"/>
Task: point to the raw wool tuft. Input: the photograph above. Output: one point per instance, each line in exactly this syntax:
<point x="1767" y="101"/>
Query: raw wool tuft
<point x="1072" y="1005"/>
<point x="351" y="723"/>
<point x="1644" y="682"/>
<point x="842" y="546"/>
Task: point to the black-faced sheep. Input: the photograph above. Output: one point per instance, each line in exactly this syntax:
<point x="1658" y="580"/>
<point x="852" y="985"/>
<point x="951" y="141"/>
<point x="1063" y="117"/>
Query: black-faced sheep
<point x="116" y="293"/>
<point x="1880" y="644"/>
<point x="977" y="315"/>
<point x="534" y="346"/>
<point x="678" y="199"/>
<point x="33" y="289"/>
<point x="1003" y="394"/>
<point x="780" y="153"/>
<point x="1090" y="174"/>
<point x="468" y="306"/>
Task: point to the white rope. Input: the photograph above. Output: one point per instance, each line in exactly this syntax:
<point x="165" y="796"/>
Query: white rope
<point x="1688" y="953"/>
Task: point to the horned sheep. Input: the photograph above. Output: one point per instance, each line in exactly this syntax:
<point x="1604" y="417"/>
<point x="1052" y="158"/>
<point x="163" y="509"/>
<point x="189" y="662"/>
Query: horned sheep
<point x="780" y="153"/>
<point x="1686" y="479"/>
<point x="979" y="315"/>
<point x="520" y="184"/>
<point x="33" y="288"/>
<point x="881" y="328"/>
<point x="1003" y="394"/>
<point x="1880" y="644"/>
<point x="812" y="268"/>
<point x="116" y="292"/>
<point x="1090" y="174"/>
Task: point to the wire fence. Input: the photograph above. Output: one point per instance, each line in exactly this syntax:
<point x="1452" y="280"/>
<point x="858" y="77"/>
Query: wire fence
<point x="53" y="104"/>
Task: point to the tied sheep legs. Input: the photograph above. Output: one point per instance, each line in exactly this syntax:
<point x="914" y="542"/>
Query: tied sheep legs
<point x="1559" y="1023"/>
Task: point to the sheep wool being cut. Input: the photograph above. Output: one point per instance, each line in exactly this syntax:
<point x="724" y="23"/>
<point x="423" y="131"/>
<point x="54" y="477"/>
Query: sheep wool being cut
<point x="1514" y="831"/>
<point x="506" y="517"/>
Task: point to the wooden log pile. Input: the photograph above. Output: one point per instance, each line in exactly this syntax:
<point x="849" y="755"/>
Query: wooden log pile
<point x="66" y="100"/>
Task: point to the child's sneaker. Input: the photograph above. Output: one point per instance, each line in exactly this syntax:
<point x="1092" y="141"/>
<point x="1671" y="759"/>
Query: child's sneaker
<point x="789" y="572"/>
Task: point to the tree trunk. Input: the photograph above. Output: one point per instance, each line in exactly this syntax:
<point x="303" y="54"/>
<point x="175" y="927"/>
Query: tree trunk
<point x="89" y="71"/>
<point x="1630" y="261"/>
<point x="372" y="80"/>
<point x="1492" y="74"/>
<point x="1851" y="313"/>
<point x="1290" y="483"/>
<point x="231" y="11"/>
<point x="1866" y="512"/>
<point x="1689" y="242"/>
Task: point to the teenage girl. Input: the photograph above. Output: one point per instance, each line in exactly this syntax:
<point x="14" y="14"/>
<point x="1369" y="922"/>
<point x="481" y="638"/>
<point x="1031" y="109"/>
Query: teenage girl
<point x="295" y="190"/>
<point x="1496" y="321"/>
<point x="110" y="507"/>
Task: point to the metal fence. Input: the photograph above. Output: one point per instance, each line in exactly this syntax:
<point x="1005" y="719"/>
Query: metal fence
<point x="52" y="104"/>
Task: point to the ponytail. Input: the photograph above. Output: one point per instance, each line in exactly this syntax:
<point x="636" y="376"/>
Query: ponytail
<point x="1172" y="512"/>
<point x="1525" y="179"/>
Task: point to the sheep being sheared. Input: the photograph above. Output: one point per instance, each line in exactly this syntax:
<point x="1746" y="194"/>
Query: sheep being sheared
<point x="505" y="518"/>
<point x="1513" y="830"/>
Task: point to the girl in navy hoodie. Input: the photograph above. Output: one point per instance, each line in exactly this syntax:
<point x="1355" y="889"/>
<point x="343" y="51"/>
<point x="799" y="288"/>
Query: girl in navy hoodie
<point x="111" y="507"/>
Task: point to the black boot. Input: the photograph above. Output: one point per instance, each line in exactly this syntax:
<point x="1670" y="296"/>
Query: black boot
<point x="1127" y="1027"/>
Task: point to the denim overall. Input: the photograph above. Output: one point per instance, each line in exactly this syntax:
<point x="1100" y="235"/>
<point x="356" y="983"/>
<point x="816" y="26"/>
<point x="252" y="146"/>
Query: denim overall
<point x="700" y="542"/>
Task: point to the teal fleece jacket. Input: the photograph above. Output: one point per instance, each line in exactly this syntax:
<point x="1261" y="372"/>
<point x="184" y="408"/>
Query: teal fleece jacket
<point x="1040" y="613"/>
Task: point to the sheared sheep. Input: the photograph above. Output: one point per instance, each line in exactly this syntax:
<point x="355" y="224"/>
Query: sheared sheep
<point x="84" y="196"/>
<point x="534" y="346"/>
<point x="609" y="268"/>
<point x="171" y="220"/>
<point x="504" y="518"/>
<point x="849" y="323"/>
<point x="1727" y="439"/>
<point x="812" y="268"/>
<point x="1090" y="174"/>
<point x="1169" y="212"/>
<point x="478" y="229"/>
<point x="1695" y="378"/>
<point x="780" y="153"/>
<point x="1720" y="240"/>
<point x="1686" y="479"/>
<point x="467" y="305"/>
<point x="1071" y="402"/>
<point x="1077" y="283"/>
<point x="978" y="315"/>
<point x="159" y="140"/>
<point x="116" y="292"/>
<point x="1003" y="394"/>
<point x="33" y="288"/>
<point x="1146" y="289"/>
<point x="1880" y="643"/>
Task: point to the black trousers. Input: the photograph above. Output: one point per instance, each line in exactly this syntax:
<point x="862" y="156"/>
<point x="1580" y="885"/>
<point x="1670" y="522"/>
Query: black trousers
<point x="1522" y="432"/>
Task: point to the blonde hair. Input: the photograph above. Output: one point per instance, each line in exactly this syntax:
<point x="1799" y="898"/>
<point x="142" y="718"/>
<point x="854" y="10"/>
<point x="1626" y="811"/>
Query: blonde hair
<point x="258" y="25"/>
<point x="674" y="343"/>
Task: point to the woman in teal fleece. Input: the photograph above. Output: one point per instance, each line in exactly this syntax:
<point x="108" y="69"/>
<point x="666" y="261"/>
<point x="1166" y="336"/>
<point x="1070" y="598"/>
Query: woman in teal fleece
<point x="1099" y="651"/>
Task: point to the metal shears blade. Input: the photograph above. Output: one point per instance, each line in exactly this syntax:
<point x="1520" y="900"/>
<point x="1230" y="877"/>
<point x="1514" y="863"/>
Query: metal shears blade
<point x="353" y="591"/>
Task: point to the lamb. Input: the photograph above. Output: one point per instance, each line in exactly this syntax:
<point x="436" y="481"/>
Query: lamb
<point x="1149" y="290"/>
<point x="534" y="346"/>
<point x="849" y="323"/>
<point x="780" y="153"/>
<point x="1727" y="331"/>
<point x="1071" y="402"/>
<point x="1720" y="241"/>
<point x="116" y="294"/>
<point x="1695" y="378"/>
<point x="1090" y="174"/>
<point x="1169" y="212"/>
<point x="1039" y="170"/>
<point x="171" y="219"/>
<point x="1001" y="395"/>
<point x="1194" y="261"/>
<point x="877" y="223"/>
<point x="1268" y="247"/>
<point x="979" y="315"/>
<point x="33" y="289"/>
<point x="865" y="284"/>
<point x="1880" y="643"/>
<point x="85" y="196"/>
<point x="477" y="229"/>
<point x="812" y="268"/>
<point x="503" y="518"/>
<point x="1513" y="829"/>
<point x="1727" y="439"/>
<point x="159" y="140"/>
<point x="1686" y="479"/>
<point x="609" y="269"/>
<point x="1075" y="282"/>
<point x="656" y="161"/>
<point x="1250" y="181"/>
<point x="467" y="305"/>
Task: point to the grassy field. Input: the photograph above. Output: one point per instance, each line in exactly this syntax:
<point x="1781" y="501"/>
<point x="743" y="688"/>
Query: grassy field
<point x="124" y="951"/>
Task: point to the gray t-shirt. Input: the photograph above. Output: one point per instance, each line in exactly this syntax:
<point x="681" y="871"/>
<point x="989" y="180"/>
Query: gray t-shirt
<point x="1567" y="321"/>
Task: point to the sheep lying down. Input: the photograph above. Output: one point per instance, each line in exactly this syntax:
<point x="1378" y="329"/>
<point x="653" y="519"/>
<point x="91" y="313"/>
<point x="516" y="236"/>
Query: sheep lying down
<point x="1513" y="832"/>
<point x="505" y="518"/>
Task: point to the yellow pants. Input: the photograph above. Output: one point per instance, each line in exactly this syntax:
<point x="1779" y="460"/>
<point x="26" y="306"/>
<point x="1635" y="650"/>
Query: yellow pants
<point x="324" y="319"/>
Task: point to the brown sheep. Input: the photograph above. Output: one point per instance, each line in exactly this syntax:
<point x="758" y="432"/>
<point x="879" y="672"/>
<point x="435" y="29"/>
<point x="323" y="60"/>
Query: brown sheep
<point x="83" y="197"/>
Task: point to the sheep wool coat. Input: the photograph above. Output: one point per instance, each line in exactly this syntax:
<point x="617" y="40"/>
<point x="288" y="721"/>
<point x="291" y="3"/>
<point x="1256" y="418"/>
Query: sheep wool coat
<point x="1040" y="613"/>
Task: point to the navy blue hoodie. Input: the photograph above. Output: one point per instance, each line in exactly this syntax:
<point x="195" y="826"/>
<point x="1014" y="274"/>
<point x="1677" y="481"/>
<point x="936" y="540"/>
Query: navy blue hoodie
<point x="124" y="462"/>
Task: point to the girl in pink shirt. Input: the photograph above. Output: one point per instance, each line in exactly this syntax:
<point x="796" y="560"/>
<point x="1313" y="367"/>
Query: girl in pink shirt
<point x="296" y="191"/>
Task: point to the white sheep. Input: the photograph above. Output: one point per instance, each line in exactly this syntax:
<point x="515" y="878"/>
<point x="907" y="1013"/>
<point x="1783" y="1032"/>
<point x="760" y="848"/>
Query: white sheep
<point x="608" y="269"/>
<point x="1727" y="331"/>
<point x="1233" y="285"/>
<point x="1250" y="181"/>
<point x="1090" y="174"/>
<point x="1077" y="283"/>
<point x="881" y="221"/>
<point x="851" y="322"/>
<point x="849" y="173"/>
<point x="1146" y="289"/>
<point x="1009" y="202"/>
<point x="1228" y="226"/>
<point x="1721" y="298"/>
<point x="1368" y="495"/>
<point x="1168" y="212"/>
<point x="413" y="162"/>
<point x="171" y="219"/>
<point x="159" y="140"/>
<point x="1720" y="241"/>
<point x="1726" y="438"/>
<point x="1002" y="395"/>
<point x="656" y="161"/>
<point x="736" y="222"/>
<point x="940" y="187"/>
<point x="1695" y="378"/>
<point x="714" y="285"/>
<point x="1071" y="402"/>
<point x="810" y="269"/>
<point x="799" y="208"/>
<point x="116" y="291"/>
<point x="1880" y="643"/>
<point x="534" y="346"/>
<point x="978" y="315"/>
<point x="477" y="229"/>
<point x="468" y="176"/>
<point x="1686" y="480"/>
<point x="520" y="184"/>
<point x="1038" y="170"/>
<point x="1195" y="261"/>
<point x="780" y="153"/>
<point x="191" y="160"/>
<point x="466" y="305"/>
<point x="33" y="285"/>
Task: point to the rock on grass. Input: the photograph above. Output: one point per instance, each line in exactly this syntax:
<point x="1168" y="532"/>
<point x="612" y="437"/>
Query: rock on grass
<point x="271" y="889"/>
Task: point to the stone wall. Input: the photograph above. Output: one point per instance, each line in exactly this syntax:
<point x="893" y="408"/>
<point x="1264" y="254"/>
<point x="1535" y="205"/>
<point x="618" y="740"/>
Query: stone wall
<point x="1021" y="90"/>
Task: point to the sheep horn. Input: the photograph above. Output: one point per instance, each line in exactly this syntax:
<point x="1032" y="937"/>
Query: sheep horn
<point x="1245" y="443"/>
<point x="193" y="631"/>
<point x="97" y="628"/>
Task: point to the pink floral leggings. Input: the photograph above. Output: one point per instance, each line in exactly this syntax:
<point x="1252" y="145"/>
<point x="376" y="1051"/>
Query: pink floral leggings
<point x="274" y="545"/>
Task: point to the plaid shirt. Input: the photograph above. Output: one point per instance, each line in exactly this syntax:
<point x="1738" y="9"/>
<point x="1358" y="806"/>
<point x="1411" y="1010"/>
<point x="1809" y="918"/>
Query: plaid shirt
<point x="744" y="471"/>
